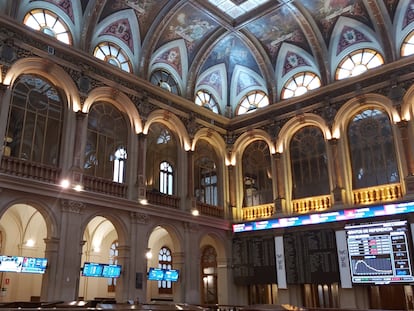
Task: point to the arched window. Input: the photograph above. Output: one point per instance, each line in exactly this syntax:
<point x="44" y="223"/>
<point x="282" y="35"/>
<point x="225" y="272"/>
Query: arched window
<point x="407" y="47"/>
<point x="35" y="120"/>
<point x="165" y="262"/>
<point x="257" y="174"/>
<point x="357" y="63"/>
<point x="309" y="163"/>
<point x="114" y="55"/>
<point x="299" y="84"/>
<point x="372" y="151"/>
<point x="165" y="80"/>
<point x="206" y="178"/>
<point x="166" y="178"/>
<point x="113" y="260"/>
<point x="120" y="157"/>
<point x="209" y="275"/>
<point x="252" y="101"/>
<point x="205" y="99"/>
<point x="161" y="159"/>
<point x="106" y="145"/>
<point x="49" y="23"/>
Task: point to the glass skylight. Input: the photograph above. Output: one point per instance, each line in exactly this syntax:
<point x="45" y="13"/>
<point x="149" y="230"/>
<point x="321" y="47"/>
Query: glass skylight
<point x="237" y="8"/>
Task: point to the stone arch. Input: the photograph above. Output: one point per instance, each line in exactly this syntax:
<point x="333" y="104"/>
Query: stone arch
<point x="283" y="145"/>
<point x="367" y="39"/>
<point x="172" y="122"/>
<point x="119" y="224"/>
<point x="131" y="49"/>
<point x="296" y="123"/>
<point x="247" y="138"/>
<point x="214" y="80"/>
<point x="352" y="106"/>
<point x="177" y="66"/>
<point x="52" y="226"/>
<point x="48" y="70"/>
<point x="116" y="98"/>
<point x="306" y="64"/>
<point x="342" y="119"/>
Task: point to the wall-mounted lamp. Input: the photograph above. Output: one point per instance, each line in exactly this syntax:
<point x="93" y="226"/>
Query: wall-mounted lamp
<point x="78" y="188"/>
<point x="195" y="212"/>
<point x="65" y="183"/>
<point x="148" y="253"/>
<point x="30" y="243"/>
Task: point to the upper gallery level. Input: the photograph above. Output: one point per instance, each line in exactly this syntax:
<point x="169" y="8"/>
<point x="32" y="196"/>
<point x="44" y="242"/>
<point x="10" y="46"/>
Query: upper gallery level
<point x="284" y="108"/>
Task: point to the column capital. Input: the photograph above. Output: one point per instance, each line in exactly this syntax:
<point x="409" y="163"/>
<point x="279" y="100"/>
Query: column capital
<point x="139" y="218"/>
<point x="80" y="115"/>
<point x="333" y="141"/>
<point x="70" y="206"/>
<point x="403" y="124"/>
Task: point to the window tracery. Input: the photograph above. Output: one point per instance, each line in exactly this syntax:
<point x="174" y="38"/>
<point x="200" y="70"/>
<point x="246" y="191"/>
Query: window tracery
<point x="309" y="163"/>
<point x="257" y="174"/>
<point x="35" y="121"/>
<point x="205" y="99"/>
<point x="106" y="146"/>
<point x="300" y="84"/>
<point x="165" y="262"/>
<point x="357" y="63"/>
<point x="113" y="260"/>
<point x="251" y="102"/>
<point x="407" y="47"/>
<point x="49" y="23"/>
<point x="372" y="150"/>
<point x="165" y="80"/>
<point x="111" y="53"/>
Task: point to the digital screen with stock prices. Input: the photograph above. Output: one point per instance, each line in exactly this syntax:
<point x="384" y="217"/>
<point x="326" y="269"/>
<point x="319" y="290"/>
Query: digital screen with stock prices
<point x="379" y="252"/>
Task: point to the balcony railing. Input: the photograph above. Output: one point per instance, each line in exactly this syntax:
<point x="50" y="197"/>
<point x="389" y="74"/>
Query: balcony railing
<point x="105" y="186"/>
<point x="27" y="169"/>
<point x="389" y="192"/>
<point x="259" y="211"/>
<point x="210" y="210"/>
<point x="312" y="204"/>
<point x="158" y="198"/>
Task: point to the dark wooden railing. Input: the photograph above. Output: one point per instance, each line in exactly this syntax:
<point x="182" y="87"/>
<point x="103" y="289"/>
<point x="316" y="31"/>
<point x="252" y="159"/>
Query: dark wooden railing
<point x="105" y="186"/>
<point x="28" y="169"/>
<point x="158" y="198"/>
<point x="210" y="210"/>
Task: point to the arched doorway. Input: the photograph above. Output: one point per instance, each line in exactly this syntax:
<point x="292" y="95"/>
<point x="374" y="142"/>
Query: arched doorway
<point x="209" y="275"/>
<point x="161" y="255"/>
<point x="22" y="233"/>
<point x="100" y="249"/>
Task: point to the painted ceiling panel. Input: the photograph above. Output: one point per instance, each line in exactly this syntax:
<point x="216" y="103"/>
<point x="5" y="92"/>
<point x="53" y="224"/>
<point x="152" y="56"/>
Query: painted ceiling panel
<point x="326" y="13"/>
<point x="190" y="24"/>
<point x="277" y="27"/>
<point x="146" y="10"/>
<point x="231" y="51"/>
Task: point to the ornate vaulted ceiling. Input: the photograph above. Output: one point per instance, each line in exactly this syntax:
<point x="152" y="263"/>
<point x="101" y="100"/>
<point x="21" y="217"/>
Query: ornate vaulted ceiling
<point x="231" y="47"/>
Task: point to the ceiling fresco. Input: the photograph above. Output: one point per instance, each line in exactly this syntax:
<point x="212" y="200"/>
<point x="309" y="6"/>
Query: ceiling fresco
<point x="145" y="10"/>
<point x="327" y="12"/>
<point x="188" y="24"/>
<point x="231" y="51"/>
<point x="232" y="46"/>
<point x="278" y="27"/>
